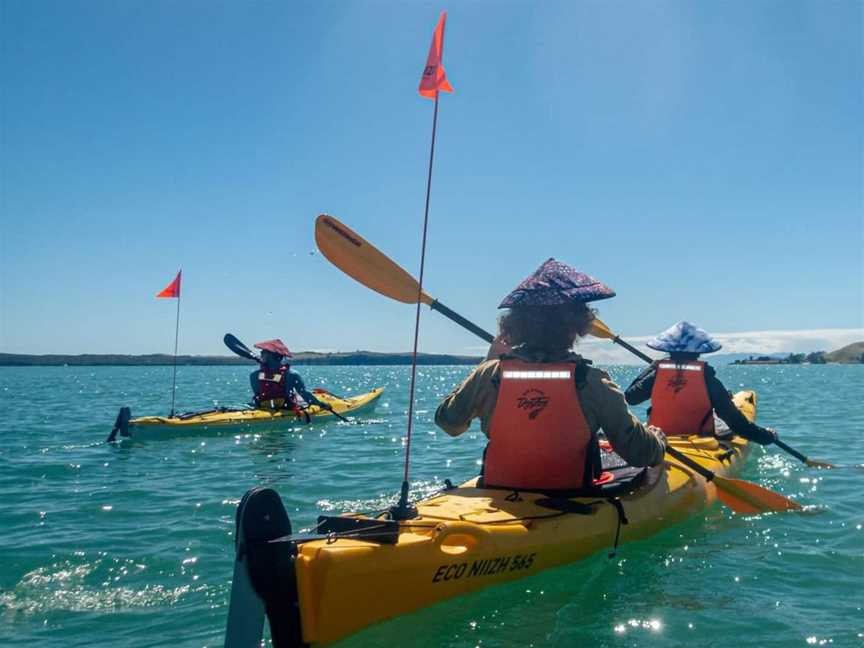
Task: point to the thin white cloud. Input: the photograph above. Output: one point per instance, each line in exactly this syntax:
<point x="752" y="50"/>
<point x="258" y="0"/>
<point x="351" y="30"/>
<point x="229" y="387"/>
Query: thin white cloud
<point x="789" y="341"/>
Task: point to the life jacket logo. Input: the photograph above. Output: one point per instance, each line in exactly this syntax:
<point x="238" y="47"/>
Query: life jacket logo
<point x="678" y="382"/>
<point x="533" y="401"/>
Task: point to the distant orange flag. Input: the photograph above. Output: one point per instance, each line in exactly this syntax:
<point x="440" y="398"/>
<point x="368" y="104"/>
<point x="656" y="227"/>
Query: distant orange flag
<point x="434" y="77"/>
<point x="172" y="289"/>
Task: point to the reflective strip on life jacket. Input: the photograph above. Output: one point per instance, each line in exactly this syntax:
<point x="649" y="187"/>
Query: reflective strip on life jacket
<point x="276" y="378"/>
<point x="540" y="375"/>
<point x="680" y="405"/>
<point x="538" y="437"/>
<point x="682" y="367"/>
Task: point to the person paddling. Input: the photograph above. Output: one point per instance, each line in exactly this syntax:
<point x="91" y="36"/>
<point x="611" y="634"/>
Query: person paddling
<point x="540" y="404"/>
<point x="685" y="393"/>
<point x="274" y="384"/>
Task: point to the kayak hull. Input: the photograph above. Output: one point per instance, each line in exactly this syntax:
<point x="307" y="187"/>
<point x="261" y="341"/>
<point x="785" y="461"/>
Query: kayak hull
<point x="468" y="538"/>
<point x="150" y="427"/>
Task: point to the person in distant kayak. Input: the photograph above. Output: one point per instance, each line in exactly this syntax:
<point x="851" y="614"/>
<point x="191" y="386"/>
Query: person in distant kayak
<point x="275" y="385"/>
<point x="540" y="404"/>
<point x="684" y="391"/>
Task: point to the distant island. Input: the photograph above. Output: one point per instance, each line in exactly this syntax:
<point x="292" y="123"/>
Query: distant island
<point x="160" y="359"/>
<point x="850" y="354"/>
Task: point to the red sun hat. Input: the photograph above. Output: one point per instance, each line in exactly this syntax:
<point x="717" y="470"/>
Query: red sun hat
<point x="276" y="346"/>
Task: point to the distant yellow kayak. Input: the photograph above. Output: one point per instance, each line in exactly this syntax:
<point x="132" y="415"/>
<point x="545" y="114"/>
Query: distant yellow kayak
<point x="156" y="426"/>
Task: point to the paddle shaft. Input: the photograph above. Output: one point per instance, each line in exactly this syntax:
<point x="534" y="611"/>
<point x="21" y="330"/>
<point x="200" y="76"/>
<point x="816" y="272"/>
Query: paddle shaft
<point x="693" y="465"/>
<point x="792" y="451"/>
<point x="633" y="350"/>
<point x="461" y="321"/>
<point x="338" y="415"/>
<point x="488" y="337"/>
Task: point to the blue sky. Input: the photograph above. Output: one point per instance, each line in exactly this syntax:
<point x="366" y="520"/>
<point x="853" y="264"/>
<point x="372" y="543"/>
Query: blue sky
<point x="703" y="159"/>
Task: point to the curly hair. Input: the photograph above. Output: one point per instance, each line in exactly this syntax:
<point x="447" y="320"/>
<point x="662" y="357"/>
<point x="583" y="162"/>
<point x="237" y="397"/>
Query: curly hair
<point x="546" y="328"/>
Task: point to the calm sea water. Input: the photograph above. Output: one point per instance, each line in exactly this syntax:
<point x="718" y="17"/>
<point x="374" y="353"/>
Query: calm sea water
<point x="131" y="545"/>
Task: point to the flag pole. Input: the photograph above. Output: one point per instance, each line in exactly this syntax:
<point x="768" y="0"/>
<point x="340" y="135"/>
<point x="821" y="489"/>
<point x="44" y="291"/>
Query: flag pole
<point x="403" y="510"/>
<point x="176" y="338"/>
<point x="434" y="79"/>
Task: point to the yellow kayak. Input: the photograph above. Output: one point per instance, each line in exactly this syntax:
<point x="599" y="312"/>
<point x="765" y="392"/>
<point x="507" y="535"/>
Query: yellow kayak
<point x="156" y="426"/>
<point x="356" y="570"/>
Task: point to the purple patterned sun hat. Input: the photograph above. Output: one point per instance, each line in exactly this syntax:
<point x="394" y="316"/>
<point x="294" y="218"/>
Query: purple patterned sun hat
<point x="555" y="283"/>
<point x="684" y="337"/>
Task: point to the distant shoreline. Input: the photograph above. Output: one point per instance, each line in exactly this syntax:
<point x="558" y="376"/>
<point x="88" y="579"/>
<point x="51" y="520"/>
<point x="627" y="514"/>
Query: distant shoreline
<point x="849" y="354"/>
<point x="160" y="360"/>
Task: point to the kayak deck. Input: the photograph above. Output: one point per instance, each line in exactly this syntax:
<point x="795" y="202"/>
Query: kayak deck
<point x="240" y="417"/>
<point x="463" y="539"/>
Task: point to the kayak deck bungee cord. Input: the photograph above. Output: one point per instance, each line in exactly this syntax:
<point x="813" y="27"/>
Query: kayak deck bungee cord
<point x="355" y="570"/>
<point x="154" y="427"/>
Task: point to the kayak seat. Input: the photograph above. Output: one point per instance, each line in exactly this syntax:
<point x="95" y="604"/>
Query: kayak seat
<point x="617" y="478"/>
<point x="625" y="479"/>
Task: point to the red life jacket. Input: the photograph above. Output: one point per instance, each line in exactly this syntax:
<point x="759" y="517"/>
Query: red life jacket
<point x="680" y="405"/>
<point x="539" y="438"/>
<point x="271" y="388"/>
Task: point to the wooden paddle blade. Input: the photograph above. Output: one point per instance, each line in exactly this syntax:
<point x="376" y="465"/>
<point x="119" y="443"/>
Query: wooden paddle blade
<point x="363" y="262"/>
<point x="739" y="506"/>
<point x="813" y="463"/>
<point x="600" y="330"/>
<point x="746" y="497"/>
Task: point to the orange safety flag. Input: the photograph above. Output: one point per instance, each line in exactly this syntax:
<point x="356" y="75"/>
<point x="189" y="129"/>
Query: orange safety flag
<point x="434" y="78"/>
<point x="172" y="289"/>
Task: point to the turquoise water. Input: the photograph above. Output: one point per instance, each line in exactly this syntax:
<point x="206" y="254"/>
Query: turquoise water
<point x="131" y="545"/>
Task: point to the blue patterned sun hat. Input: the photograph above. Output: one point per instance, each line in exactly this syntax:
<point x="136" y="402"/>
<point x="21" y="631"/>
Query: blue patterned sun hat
<point x="555" y="283"/>
<point x="684" y="337"/>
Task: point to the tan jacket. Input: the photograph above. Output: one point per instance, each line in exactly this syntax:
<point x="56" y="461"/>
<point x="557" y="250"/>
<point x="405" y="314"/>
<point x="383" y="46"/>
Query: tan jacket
<point x="602" y="404"/>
